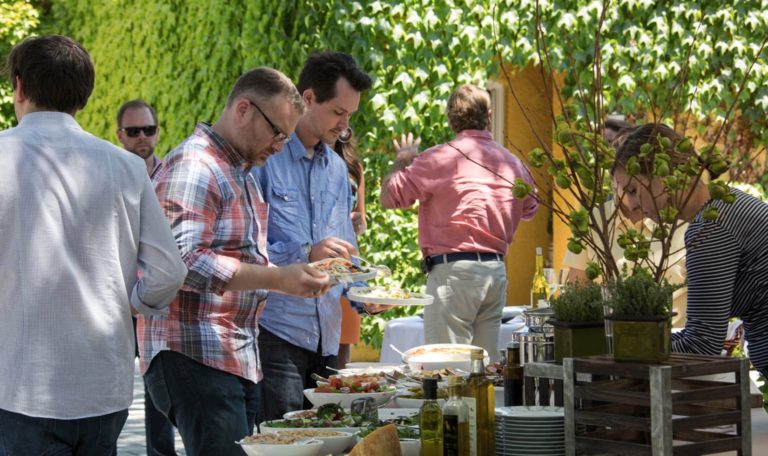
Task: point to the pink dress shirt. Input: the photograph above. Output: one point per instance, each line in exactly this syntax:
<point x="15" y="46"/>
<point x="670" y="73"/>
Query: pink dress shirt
<point x="464" y="207"/>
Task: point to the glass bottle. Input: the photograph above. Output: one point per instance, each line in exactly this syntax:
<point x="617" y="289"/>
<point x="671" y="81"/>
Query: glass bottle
<point x="540" y="286"/>
<point x="479" y="396"/>
<point x="513" y="376"/>
<point x="431" y="420"/>
<point x="455" y="420"/>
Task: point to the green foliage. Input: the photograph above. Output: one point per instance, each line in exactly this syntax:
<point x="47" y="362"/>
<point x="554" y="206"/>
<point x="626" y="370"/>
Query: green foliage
<point x="18" y="19"/>
<point x="579" y="303"/>
<point x="639" y="295"/>
<point x="183" y="57"/>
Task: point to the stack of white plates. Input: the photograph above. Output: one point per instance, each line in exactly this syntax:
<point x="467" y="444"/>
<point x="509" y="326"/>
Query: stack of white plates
<point x="530" y="430"/>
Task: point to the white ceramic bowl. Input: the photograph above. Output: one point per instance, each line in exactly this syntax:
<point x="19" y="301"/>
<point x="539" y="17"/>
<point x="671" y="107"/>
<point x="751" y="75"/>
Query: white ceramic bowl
<point x="309" y="448"/>
<point x="345" y="399"/>
<point x="332" y="444"/>
<point x="440" y="356"/>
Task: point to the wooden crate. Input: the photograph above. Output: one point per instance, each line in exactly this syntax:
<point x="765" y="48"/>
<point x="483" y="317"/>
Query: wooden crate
<point x="656" y="409"/>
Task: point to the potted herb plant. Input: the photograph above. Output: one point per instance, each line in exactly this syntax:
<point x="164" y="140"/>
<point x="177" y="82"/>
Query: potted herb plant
<point x="640" y="317"/>
<point x="578" y="321"/>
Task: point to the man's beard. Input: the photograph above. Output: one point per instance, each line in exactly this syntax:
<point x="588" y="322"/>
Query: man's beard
<point x="150" y="150"/>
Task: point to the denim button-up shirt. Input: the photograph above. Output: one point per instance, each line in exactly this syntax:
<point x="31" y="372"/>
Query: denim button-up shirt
<point x="309" y="200"/>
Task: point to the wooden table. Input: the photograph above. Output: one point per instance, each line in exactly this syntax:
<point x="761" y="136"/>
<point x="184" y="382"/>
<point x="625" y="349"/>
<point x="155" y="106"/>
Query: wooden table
<point x="657" y="409"/>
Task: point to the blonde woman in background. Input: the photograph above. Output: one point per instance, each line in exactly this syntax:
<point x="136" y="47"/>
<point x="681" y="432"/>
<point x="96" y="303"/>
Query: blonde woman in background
<point x="346" y="147"/>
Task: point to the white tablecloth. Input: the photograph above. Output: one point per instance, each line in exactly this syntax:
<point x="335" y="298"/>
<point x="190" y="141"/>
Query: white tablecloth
<point x="408" y="332"/>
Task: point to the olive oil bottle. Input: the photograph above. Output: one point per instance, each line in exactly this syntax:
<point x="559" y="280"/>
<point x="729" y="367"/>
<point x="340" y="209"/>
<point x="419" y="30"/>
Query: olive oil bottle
<point x="513" y="376"/>
<point x="479" y="396"/>
<point x="431" y="420"/>
<point x="455" y="420"/>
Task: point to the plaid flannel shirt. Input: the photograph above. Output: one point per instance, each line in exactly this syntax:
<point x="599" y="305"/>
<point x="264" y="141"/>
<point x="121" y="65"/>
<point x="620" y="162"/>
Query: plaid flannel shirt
<point x="219" y="220"/>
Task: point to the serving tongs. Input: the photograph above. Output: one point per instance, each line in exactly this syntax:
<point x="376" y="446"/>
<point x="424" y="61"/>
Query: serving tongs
<point x="383" y="270"/>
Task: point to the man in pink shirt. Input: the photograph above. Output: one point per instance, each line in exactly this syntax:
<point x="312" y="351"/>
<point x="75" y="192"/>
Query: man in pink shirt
<point x="467" y="220"/>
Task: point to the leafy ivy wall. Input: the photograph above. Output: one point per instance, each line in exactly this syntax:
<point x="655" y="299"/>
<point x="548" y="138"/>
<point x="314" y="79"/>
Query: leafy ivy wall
<point x="184" y="55"/>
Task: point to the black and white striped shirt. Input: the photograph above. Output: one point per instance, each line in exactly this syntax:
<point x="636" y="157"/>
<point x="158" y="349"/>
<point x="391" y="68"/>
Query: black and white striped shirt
<point x="727" y="263"/>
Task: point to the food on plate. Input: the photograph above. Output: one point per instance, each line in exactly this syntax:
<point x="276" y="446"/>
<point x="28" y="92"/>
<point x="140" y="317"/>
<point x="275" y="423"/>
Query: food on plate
<point x="417" y="392"/>
<point x="439" y="352"/>
<point x="287" y="437"/>
<point x="384" y="292"/>
<point x="336" y="266"/>
<point x="362" y="383"/>
<point x="326" y="416"/>
<point x="495" y="373"/>
<point x="381" y="442"/>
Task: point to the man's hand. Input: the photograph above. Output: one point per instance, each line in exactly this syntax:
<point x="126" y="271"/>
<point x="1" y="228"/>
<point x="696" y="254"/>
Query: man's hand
<point x="331" y="247"/>
<point x="302" y="280"/>
<point x="373" y="309"/>
<point x="407" y="149"/>
<point x="359" y="224"/>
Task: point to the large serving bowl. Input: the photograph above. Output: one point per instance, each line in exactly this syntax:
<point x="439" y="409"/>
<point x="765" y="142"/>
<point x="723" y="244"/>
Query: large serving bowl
<point x="440" y="356"/>
<point x="307" y="448"/>
<point x="334" y="444"/>
<point x="345" y="399"/>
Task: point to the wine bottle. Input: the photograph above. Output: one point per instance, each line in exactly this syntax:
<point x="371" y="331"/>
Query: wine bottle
<point x="540" y="288"/>
<point x="431" y="420"/>
<point x="478" y="394"/>
<point x="455" y="420"/>
<point x="513" y="376"/>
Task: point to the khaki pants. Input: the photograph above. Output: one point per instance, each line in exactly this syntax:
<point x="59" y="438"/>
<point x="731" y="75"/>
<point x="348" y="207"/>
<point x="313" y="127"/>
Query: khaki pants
<point x="469" y="298"/>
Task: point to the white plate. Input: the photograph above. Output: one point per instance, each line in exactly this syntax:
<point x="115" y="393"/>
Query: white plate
<point x="363" y="294"/>
<point x="366" y="273"/>
<point x="531" y="412"/>
<point x="345" y="399"/>
<point x="309" y="448"/>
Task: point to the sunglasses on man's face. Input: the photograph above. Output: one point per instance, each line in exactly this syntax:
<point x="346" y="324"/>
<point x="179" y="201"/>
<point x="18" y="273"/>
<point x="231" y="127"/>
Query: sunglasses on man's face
<point x="133" y="132"/>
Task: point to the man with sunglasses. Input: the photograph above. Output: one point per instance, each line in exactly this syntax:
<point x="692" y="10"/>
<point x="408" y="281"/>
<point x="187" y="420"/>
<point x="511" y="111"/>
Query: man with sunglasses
<point x="137" y="131"/>
<point x="308" y="191"/>
<point x="201" y="362"/>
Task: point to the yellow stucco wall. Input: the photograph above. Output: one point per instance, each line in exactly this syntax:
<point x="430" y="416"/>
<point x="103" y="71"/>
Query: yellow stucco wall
<point x="528" y="124"/>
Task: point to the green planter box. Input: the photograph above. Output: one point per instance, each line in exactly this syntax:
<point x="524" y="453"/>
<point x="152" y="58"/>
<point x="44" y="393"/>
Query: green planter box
<point x="574" y="340"/>
<point x="641" y="339"/>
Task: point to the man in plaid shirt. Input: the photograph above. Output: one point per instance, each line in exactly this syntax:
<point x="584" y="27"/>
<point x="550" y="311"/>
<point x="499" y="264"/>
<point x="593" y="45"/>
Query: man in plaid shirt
<point x="201" y="361"/>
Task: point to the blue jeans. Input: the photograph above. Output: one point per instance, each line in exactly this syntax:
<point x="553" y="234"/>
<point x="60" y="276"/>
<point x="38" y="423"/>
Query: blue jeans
<point x="212" y="409"/>
<point x="22" y="435"/>
<point x="157" y="428"/>
<point x="287" y="372"/>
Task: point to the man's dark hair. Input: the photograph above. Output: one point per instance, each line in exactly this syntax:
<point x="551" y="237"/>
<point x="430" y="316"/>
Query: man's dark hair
<point x="134" y="104"/>
<point x="323" y="69"/>
<point x="56" y="72"/>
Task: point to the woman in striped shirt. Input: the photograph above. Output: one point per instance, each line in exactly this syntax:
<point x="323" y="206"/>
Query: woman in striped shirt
<point x="727" y="257"/>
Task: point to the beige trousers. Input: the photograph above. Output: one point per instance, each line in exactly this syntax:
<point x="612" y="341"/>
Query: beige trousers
<point x="469" y="298"/>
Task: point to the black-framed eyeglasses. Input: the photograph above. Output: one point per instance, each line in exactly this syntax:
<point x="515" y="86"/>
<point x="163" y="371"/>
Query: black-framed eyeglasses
<point x="279" y="136"/>
<point x="133" y="132"/>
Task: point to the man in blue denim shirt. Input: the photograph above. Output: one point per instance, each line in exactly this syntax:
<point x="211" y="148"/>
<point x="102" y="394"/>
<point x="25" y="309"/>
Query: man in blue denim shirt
<point x="307" y="188"/>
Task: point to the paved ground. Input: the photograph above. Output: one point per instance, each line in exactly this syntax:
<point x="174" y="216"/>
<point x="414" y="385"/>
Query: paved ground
<point x="131" y="441"/>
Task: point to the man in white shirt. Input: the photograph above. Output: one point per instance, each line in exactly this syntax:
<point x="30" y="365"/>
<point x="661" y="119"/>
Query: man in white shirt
<point x="79" y="222"/>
